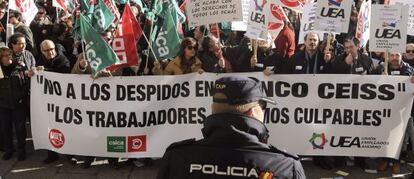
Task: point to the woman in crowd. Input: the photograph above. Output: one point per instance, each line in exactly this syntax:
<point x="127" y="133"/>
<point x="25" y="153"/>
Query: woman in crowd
<point x="185" y="62"/>
<point x="14" y="88"/>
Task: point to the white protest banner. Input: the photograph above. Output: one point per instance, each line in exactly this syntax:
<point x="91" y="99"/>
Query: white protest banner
<point x="347" y="115"/>
<point x="363" y="24"/>
<point x="296" y="5"/>
<point x="256" y="25"/>
<point x="333" y="15"/>
<point x="205" y="12"/>
<point x="410" y="23"/>
<point x="388" y="28"/>
<point x="308" y="22"/>
<point x="242" y="25"/>
<point x="27" y="8"/>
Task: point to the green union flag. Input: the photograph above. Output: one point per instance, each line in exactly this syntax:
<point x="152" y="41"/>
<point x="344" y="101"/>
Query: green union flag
<point x="166" y="43"/>
<point x="97" y="50"/>
<point x="102" y="17"/>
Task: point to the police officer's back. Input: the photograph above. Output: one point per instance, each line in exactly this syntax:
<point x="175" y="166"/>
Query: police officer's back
<point x="235" y="140"/>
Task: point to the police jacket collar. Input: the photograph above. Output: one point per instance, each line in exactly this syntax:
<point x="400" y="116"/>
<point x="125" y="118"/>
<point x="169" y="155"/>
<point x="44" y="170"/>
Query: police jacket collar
<point x="237" y="127"/>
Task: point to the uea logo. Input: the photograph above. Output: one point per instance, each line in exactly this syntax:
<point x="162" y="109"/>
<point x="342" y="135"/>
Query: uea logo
<point x="333" y="12"/>
<point x="334" y="2"/>
<point x="315" y="136"/>
<point x="335" y="141"/>
<point x="56" y="138"/>
<point x="388" y="33"/>
<point x="258" y="17"/>
<point x="260" y="7"/>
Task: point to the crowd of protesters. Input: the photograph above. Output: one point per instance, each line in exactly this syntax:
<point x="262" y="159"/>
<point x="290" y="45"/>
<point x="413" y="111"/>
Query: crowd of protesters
<point x="48" y="44"/>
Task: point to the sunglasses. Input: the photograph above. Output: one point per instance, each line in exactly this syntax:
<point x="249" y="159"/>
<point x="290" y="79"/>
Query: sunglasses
<point x="410" y="51"/>
<point x="192" y="47"/>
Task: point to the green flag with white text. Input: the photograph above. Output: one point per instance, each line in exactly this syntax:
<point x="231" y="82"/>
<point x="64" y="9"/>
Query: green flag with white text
<point x="102" y="17"/>
<point x="97" y="50"/>
<point x="166" y="41"/>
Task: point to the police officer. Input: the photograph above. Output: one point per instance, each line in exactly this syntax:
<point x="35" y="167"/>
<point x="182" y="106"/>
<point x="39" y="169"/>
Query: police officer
<point x="235" y="140"/>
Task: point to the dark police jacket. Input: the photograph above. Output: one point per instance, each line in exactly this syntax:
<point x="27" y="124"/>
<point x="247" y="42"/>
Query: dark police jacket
<point x="232" y="148"/>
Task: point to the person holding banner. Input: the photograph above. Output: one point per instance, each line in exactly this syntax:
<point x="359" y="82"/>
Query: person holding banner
<point x="235" y="139"/>
<point x="396" y="66"/>
<point x="13" y="102"/>
<point x="53" y="61"/>
<point x="353" y="62"/>
<point x="310" y="60"/>
<point x="185" y="62"/>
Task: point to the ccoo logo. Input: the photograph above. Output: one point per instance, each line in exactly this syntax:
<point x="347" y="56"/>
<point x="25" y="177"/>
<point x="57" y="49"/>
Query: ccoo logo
<point x="313" y="140"/>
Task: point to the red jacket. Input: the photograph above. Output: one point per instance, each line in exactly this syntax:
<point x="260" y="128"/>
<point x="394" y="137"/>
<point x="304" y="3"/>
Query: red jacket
<point x="285" y="43"/>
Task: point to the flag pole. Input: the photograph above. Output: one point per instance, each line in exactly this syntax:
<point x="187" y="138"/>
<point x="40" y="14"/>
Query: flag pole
<point x="7" y="22"/>
<point x="149" y="46"/>
<point x="149" y="42"/>
<point x="386" y="61"/>
<point x="152" y="50"/>
<point x="57" y="15"/>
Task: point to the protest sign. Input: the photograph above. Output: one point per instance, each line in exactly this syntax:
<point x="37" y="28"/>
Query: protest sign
<point x="308" y="22"/>
<point x="242" y="25"/>
<point x="347" y="115"/>
<point x="410" y="22"/>
<point x="388" y="28"/>
<point x="363" y="24"/>
<point x="333" y="15"/>
<point x="256" y="25"/>
<point x="204" y="12"/>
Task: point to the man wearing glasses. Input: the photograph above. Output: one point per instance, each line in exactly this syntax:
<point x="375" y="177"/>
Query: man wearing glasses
<point x="235" y="139"/>
<point x="409" y="55"/>
<point x="52" y="60"/>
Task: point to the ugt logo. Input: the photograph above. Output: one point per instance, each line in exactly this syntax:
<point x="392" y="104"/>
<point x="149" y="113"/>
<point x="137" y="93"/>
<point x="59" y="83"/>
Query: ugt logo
<point x="313" y="140"/>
